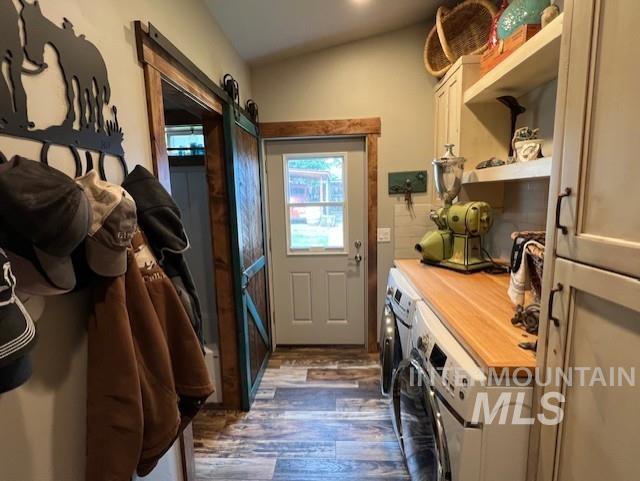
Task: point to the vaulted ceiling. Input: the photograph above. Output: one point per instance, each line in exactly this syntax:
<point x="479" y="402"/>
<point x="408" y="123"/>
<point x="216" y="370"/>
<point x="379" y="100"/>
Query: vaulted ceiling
<point x="264" y="30"/>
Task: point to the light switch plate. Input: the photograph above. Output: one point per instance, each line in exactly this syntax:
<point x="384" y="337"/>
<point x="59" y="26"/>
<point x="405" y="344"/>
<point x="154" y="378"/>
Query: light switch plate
<point x="384" y="234"/>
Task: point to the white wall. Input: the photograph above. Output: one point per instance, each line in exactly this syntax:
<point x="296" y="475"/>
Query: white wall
<point x="43" y="423"/>
<point x="382" y="76"/>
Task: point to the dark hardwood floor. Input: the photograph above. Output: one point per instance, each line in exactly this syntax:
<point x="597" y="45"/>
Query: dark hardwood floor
<point x="318" y="415"/>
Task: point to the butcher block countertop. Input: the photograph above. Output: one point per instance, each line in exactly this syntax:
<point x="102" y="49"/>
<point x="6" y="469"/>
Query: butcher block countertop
<point x="476" y="309"/>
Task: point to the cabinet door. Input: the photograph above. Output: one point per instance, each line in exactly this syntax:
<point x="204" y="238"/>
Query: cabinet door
<point x="454" y="86"/>
<point x="442" y="120"/>
<point x="599" y="328"/>
<point x="600" y="143"/>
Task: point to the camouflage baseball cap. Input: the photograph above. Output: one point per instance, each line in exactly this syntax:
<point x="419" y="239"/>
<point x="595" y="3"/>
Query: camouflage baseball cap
<point x="113" y="226"/>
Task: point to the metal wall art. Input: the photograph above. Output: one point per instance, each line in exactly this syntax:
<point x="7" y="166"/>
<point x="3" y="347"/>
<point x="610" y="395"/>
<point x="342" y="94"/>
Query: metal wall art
<point x="86" y="85"/>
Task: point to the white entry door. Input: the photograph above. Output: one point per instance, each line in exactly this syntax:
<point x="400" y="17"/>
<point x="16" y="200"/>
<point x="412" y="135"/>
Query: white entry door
<point x="317" y="224"/>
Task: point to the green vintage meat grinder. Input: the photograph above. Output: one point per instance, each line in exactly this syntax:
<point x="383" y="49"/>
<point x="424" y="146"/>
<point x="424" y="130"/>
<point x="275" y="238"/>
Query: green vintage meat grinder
<point x="457" y="244"/>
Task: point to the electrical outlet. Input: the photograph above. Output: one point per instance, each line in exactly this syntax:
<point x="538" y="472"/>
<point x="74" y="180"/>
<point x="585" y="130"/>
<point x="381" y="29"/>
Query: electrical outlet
<point x="384" y="234"/>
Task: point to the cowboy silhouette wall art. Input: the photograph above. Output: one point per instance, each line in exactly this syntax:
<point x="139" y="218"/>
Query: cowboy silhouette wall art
<point x="81" y="65"/>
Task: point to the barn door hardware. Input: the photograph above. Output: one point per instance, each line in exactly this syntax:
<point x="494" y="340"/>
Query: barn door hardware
<point x="230" y="85"/>
<point x="252" y="109"/>
<point x="152" y="34"/>
<point x="86" y="86"/>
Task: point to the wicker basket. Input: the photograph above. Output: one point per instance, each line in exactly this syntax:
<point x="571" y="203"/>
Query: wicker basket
<point x="435" y="60"/>
<point x="465" y="30"/>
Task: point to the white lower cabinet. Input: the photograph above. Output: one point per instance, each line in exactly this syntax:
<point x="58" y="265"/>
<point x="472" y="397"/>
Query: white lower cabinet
<point x="597" y="338"/>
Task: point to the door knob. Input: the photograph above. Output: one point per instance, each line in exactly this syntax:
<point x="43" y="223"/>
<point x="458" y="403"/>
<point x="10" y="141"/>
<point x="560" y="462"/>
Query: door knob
<point x="358" y="258"/>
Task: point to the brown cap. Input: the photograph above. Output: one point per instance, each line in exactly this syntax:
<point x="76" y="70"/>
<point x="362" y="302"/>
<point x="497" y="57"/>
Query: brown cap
<point x="113" y="226"/>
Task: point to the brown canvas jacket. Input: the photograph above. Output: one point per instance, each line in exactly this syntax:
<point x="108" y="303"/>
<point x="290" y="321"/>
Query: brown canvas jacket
<point x="145" y="363"/>
<point x="192" y="382"/>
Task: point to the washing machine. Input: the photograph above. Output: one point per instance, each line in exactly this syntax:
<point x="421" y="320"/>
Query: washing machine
<point x="395" y="326"/>
<point x="434" y="391"/>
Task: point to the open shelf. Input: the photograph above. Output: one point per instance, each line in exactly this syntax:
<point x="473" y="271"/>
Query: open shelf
<point x="533" y="64"/>
<point x="533" y="169"/>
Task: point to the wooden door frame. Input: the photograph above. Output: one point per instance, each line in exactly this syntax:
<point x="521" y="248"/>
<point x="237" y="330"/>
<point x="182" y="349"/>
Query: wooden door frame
<point x="160" y="65"/>
<point x="369" y="129"/>
<point x="163" y="62"/>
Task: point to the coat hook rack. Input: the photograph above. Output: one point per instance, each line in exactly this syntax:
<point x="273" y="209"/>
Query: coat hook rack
<point x="81" y="63"/>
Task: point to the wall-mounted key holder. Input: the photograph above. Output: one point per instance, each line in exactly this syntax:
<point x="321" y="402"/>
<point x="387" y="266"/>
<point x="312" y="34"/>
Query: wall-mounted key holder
<point x="408" y="183"/>
<point x="86" y="85"/>
<point x="401" y="182"/>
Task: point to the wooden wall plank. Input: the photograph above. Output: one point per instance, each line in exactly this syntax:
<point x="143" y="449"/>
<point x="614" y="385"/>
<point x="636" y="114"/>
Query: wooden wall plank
<point x="249" y="197"/>
<point x="155" y="112"/>
<point x="173" y="72"/>
<point x="372" y="242"/>
<point x="222" y="251"/>
<point x="314" y="128"/>
<point x="252" y="240"/>
<point x="187" y="454"/>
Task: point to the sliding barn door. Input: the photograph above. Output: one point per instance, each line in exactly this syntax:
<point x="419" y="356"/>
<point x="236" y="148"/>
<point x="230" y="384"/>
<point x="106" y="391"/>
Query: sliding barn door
<point x="245" y="175"/>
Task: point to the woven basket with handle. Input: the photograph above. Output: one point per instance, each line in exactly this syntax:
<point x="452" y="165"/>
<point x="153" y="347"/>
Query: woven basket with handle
<point x="462" y="31"/>
<point x="435" y="60"/>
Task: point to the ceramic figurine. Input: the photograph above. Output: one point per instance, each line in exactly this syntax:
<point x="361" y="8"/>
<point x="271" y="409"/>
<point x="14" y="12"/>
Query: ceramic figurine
<point x="527" y="150"/>
<point x="492" y="162"/>
<point x="520" y="12"/>
<point x="526" y="144"/>
<point x="548" y="14"/>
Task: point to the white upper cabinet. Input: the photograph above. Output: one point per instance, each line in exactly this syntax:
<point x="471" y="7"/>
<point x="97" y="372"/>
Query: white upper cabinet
<point x="599" y="219"/>
<point x="478" y="133"/>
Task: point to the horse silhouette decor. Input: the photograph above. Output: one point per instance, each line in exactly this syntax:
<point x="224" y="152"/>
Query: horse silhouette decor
<point x="85" y="79"/>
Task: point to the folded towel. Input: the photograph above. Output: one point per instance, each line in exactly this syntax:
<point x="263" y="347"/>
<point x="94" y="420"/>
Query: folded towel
<point x="520" y="277"/>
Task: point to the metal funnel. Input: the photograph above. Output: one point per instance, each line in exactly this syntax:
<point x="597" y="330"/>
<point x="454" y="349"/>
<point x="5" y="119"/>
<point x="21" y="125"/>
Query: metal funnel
<point x="447" y="176"/>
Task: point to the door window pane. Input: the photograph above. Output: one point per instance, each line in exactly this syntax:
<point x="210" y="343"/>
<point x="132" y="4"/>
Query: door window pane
<point x="315" y="193"/>
<point x="184" y="140"/>
<point x="316" y="227"/>
<point x="315" y="179"/>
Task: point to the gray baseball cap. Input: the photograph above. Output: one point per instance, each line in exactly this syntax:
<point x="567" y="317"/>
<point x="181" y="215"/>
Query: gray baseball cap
<point x="44" y="217"/>
<point x="113" y="226"/>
